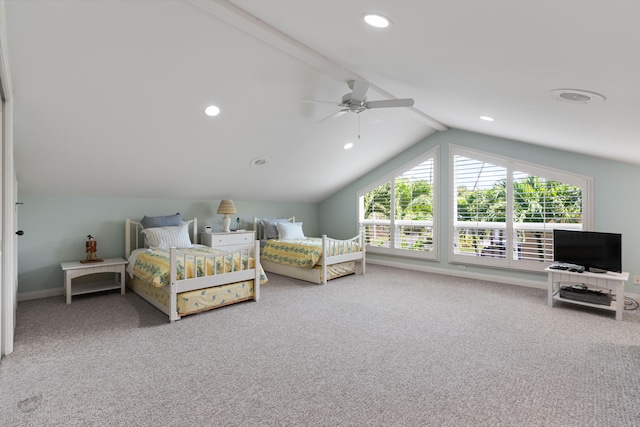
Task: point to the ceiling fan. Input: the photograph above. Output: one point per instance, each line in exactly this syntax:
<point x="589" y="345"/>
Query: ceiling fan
<point x="356" y="101"/>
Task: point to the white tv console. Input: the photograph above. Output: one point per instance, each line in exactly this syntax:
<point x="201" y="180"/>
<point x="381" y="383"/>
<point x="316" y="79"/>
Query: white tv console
<point x="613" y="281"/>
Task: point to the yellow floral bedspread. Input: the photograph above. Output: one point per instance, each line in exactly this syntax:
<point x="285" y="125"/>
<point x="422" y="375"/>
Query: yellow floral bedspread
<point x="153" y="266"/>
<point x="303" y="253"/>
<point x="201" y="299"/>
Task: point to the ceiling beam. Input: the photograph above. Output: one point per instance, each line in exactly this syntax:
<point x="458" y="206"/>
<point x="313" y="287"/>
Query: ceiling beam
<point x="244" y="21"/>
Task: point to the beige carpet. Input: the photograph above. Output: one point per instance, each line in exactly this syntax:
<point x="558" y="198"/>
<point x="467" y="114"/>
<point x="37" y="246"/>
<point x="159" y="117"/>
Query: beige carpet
<point x="391" y="348"/>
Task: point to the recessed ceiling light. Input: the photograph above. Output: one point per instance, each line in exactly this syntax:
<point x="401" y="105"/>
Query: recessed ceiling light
<point x="576" y="96"/>
<point x="212" y="111"/>
<point x="376" y="20"/>
<point x="348" y="145"/>
<point x="259" y="161"/>
<point x="487" y="118"/>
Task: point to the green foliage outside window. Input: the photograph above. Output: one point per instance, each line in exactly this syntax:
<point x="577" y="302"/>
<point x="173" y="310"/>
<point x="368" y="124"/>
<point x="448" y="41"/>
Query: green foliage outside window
<point x="413" y="201"/>
<point x="535" y="200"/>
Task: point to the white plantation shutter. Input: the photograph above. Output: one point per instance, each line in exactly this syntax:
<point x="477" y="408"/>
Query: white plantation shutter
<point x="480" y="222"/>
<point x="377" y="228"/>
<point x="540" y="205"/>
<point x="397" y="215"/>
<point x="413" y="216"/>
<point x="505" y="210"/>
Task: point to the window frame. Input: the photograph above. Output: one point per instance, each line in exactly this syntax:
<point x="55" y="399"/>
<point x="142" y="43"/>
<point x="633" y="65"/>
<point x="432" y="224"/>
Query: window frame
<point x="512" y="165"/>
<point x="434" y="254"/>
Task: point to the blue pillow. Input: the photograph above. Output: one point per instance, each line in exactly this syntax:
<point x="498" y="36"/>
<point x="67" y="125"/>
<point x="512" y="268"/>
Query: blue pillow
<point x="161" y="221"/>
<point x="270" y="230"/>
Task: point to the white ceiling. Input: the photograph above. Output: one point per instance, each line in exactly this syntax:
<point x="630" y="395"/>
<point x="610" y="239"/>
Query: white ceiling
<point x="109" y="95"/>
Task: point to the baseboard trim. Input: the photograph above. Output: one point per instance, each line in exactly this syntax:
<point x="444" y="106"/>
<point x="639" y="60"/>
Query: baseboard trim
<point x="46" y="293"/>
<point x="632" y="296"/>
<point x="462" y="273"/>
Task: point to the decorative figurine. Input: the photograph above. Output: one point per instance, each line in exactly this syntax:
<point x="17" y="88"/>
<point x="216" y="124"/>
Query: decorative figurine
<point x="237" y="224"/>
<point x="91" y="247"/>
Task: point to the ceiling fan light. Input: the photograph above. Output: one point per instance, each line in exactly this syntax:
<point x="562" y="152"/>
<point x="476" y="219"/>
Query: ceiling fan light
<point x="376" y="20"/>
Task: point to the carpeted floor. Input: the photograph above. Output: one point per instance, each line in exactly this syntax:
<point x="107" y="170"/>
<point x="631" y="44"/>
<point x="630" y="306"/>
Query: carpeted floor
<point x="391" y="348"/>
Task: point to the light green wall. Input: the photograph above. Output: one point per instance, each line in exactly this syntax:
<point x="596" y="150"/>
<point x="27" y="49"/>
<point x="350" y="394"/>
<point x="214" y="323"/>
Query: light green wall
<point x="615" y="205"/>
<point x="56" y="228"/>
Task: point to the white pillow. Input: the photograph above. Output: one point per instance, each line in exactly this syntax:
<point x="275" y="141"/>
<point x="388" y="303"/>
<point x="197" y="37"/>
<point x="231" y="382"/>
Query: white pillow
<point x="290" y="231"/>
<point x="166" y="237"/>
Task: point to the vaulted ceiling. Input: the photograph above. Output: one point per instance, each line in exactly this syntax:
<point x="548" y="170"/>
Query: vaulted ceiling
<point x="109" y="95"/>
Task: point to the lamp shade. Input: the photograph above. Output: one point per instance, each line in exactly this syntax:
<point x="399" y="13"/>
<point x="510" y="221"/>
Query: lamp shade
<point x="227" y="207"/>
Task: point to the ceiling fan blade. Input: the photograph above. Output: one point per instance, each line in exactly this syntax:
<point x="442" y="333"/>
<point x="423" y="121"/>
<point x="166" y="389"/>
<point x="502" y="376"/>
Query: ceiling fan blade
<point x="314" y="101"/>
<point x="406" y="102"/>
<point x="334" y="115"/>
<point x="359" y="89"/>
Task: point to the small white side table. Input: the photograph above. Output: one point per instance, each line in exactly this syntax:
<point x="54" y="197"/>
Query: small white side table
<point x="76" y="269"/>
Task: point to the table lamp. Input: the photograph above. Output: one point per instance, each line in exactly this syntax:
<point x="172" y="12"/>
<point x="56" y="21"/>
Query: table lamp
<point x="226" y="207"/>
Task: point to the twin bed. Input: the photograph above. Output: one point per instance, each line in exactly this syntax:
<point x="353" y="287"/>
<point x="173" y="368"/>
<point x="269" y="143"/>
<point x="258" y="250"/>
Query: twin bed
<point x="181" y="278"/>
<point x="167" y="267"/>
<point x="312" y="259"/>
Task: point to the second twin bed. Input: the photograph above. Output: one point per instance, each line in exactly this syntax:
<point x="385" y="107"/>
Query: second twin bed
<point x="287" y="251"/>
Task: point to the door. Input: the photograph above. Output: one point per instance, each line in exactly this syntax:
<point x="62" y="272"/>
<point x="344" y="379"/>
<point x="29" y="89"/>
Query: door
<point x="8" y="188"/>
<point x="8" y="237"/>
<point x="5" y="347"/>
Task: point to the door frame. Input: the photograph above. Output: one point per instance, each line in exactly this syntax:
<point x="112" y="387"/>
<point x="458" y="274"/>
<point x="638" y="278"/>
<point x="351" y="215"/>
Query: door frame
<point x="8" y="195"/>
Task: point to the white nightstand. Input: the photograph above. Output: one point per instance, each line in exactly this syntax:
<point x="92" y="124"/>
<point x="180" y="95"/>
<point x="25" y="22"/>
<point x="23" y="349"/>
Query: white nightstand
<point x="228" y="241"/>
<point x="77" y="269"/>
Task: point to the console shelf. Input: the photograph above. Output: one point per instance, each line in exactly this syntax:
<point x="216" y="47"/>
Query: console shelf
<point x="613" y="306"/>
<point x="612" y="281"/>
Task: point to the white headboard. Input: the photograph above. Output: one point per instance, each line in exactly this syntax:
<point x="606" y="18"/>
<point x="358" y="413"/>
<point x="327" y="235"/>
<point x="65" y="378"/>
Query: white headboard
<point x="134" y="239"/>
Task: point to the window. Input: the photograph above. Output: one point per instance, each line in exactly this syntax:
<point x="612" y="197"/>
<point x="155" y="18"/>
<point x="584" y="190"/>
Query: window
<point x="397" y="213"/>
<point x="505" y="210"/>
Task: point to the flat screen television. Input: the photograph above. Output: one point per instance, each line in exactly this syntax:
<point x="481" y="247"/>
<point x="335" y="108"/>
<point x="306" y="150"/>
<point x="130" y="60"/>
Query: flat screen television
<point x="596" y="252"/>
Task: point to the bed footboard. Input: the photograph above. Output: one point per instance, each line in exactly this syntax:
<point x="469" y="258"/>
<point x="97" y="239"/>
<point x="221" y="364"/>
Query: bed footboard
<point x="225" y="268"/>
<point x="335" y="251"/>
<point x="237" y="266"/>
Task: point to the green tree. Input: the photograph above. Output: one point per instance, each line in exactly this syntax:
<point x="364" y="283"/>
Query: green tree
<point x="413" y="199"/>
<point x="539" y="200"/>
<point x="377" y="202"/>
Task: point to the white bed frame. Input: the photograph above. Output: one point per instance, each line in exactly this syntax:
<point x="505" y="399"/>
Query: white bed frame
<point x="135" y="240"/>
<point x="312" y="274"/>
